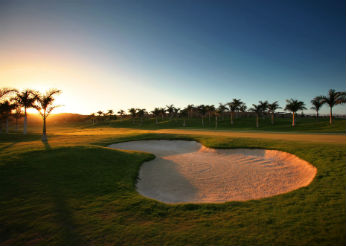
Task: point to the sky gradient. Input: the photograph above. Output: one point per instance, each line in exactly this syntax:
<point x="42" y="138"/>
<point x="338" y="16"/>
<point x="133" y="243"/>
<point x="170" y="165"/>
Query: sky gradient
<point x="121" y="54"/>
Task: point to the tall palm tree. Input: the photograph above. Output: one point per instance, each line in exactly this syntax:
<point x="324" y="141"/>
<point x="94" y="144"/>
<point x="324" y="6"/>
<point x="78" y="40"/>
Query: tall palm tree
<point x="217" y="112"/>
<point x="162" y="112"/>
<point x="294" y="106"/>
<point x="133" y="113"/>
<point x="44" y="105"/>
<point x="176" y="113"/>
<point x="242" y="107"/>
<point x="272" y="107"/>
<point x="258" y="110"/>
<point x="156" y="112"/>
<point x="18" y="113"/>
<point x="264" y="106"/>
<point x="5" y="111"/>
<point x="233" y="106"/>
<point x="25" y="99"/>
<point x="100" y="113"/>
<point x="170" y="110"/>
<point x="317" y="104"/>
<point x="92" y="117"/>
<point x="202" y="110"/>
<point x="333" y="98"/>
<point x="141" y="112"/>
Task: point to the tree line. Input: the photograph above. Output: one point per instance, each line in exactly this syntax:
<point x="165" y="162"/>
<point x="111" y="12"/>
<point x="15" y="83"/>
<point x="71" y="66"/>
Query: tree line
<point x="236" y="105"/>
<point x="16" y="103"/>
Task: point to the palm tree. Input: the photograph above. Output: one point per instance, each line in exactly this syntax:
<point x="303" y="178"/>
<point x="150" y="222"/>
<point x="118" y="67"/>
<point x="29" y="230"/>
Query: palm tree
<point x="233" y="106"/>
<point x="133" y="113"/>
<point x="202" y="110"/>
<point x="210" y="110"/>
<point x="333" y="98"/>
<point x="264" y="106"/>
<point x="258" y="110"/>
<point x="242" y="107"/>
<point x="25" y="99"/>
<point x="141" y="112"/>
<point x="162" y="112"/>
<point x="6" y="91"/>
<point x="44" y="105"/>
<point x="222" y="109"/>
<point x="176" y="113"/>
<point x="5" y="111"/>
<point x="121" y="113"/>
<point x="184" y="113"/>
<point x="110" y="113"/>
<point x="272" y="107"/>
<point x="170" y="110"/>
<point x="294" y="106"/>
<point x="190" y="109"/>
<point x="18" y="113"/>
<point x="156" y="112"/>
<point x="217" y="113"/>
<point x="100" y="113"/>
<point x="317" y="104"/>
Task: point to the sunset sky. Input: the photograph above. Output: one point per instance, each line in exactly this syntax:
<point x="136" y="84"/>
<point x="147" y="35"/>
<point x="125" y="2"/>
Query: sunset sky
<point x="121" y="54"/>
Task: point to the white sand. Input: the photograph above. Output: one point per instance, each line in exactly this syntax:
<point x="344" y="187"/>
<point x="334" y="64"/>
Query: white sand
<point x="186" y="171"/>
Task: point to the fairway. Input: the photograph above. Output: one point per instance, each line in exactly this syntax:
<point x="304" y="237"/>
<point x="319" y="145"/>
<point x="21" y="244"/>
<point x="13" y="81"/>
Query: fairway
<point x="74" y="189"/>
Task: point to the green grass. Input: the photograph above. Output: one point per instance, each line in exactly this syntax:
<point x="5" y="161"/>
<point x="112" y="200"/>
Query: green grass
<point x="74" y="190"/>
<point x="308" y="125"/>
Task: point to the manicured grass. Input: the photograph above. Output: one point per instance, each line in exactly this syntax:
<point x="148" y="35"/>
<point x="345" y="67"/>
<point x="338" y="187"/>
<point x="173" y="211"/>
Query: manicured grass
<point x="74" y="190"/>
<point x="240" y="124"/>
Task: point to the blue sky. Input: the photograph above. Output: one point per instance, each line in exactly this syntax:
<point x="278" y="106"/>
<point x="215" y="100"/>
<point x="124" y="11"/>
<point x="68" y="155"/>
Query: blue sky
<point x="124" y="54"/>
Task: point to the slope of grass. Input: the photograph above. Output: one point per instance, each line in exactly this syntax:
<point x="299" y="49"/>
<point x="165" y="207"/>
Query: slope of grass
<point x="74" y="190"/>
<point x="241" y="124"/>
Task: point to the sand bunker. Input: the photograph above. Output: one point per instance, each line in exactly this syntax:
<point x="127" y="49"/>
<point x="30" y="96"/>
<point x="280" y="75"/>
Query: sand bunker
<point x="186" y="171"/>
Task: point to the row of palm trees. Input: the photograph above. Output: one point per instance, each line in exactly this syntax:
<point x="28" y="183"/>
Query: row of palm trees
<point x="263" y="108"/>
<point x="13" y="102"/>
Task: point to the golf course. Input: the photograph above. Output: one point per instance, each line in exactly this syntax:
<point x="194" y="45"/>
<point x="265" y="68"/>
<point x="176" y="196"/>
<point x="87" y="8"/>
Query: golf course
<point x="73" y="189"/>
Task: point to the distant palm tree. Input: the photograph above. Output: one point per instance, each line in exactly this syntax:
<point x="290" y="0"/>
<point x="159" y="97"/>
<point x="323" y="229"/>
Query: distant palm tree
<point x="170" y="110"/>
<point x="176" y="113"/>
<point x="272" y="107"/>
<point x="242" y="107"/>
<point x="333" y="98"/>
<point x="264" y="106"/>
<point x="5" y="111"/>
<point x="156" y="112"/>
<point x="233" y="106"/>
<point x="190" y="109"/>
<point x="110" y="113"/>
<point x="210" y="110"/>
<point x="294" y="106"/>
<point x="25" y="99"/>
<point x="217" y="112"/>
<point x="141" y="112"/>
<point x="183" y="114"/>
<point x="121" y="113"/>
<point x="100" y="114"/>
<point x="44" y="105"/>
<point x="258" y="110"/>
<point x="162" y="112"/>
<point x="202" y="110"/>
<point x="133" y="113"/>
<point x="317" y="104"/>
<point x="222" y="109"/>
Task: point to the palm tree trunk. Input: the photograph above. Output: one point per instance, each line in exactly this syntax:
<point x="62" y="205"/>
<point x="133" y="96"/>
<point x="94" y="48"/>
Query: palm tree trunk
<point x="215" y="121"/>
<point x="25" y="120"/>
<point x="209" y="118"/>
<point x="7" y="125"/>
<point x="202" y="122"/>
<point x="316" y="115"/>
<point x="44" y="130"/>
<point x="272" y="118"/>
<point x="293" y="124"/>
<point x="331" y="116"/>
<point x="16" y="124"/>
<point x="257" y="120"/>
<point x="232" y="118"/>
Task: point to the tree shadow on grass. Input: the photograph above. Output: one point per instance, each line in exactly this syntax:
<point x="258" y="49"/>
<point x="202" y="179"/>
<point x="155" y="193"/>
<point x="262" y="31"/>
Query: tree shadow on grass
<point x="46" y="145"/>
